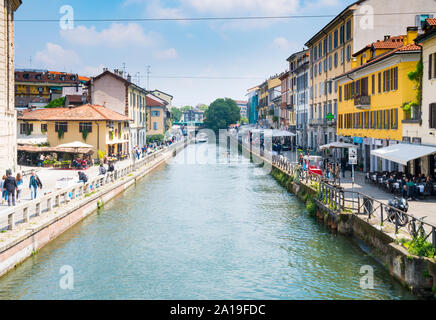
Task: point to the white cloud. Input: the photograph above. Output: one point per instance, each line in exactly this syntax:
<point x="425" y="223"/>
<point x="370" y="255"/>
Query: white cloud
<point x="92" y="71"/>
<point x="155" y="9"/>
<point x="168" y="54"/>
<point x="244" y="7"/>
<point x="281" y="43"/>
<point x="54" y="57"/>
<point x="116" y="36"/>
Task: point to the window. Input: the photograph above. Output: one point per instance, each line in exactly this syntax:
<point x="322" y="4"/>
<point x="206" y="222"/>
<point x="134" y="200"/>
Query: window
<point x="61" y="126"/>
<point x="342" y="56"/>
<point x="336" y="60"/>
<point x="325" y="64"/>
<point x="325" y="46"/>
<point x="155" y="113"/>
<point x="43" y="127"/>
<point x="341" y="35"/>
<point x="330" y="87"/>
<point x="373" y="84"/>
<point x="348" y="53"/>
<point x="316" y="70"/>
<point x="335" y="39"/>
<point x="394" y="115"/>
<point x="311" y="55"/>
<point x="379" y="82"/>
<point x="348" y="32"/>
<point x="432" y="115"/>
<point x="386" y="118"/>
<point x="85" y="126"/>
<point x="330" y="42"/>
<point x="315" y="53"/>
<point x="320" y="50"/>
<point x="330" y="62"/>
<point x="155" y="126"/>
<point x="319" y="68"/>
<point x="26" y="128"/>
<point x="340" y="93"/>
<point x="395" y="80"/>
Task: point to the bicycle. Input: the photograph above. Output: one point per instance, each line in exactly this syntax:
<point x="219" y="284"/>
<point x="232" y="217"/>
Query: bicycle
<point x="416" y="229"/>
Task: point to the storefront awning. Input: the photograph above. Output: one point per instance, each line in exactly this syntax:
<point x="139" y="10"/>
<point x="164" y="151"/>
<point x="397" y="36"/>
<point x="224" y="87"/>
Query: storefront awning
<point x="117" y="142"/>
<point x="403" y="153"/>
<point x="337" y="145"/>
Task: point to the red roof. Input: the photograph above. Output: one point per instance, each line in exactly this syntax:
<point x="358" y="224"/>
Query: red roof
<point x="153" y="102"/>
<point x="407" y="48"/>
<point x="431" y="22"/>
<point x="84" y="112"/>
<point x="391" y="43"/>
<point x="241" y="102"/>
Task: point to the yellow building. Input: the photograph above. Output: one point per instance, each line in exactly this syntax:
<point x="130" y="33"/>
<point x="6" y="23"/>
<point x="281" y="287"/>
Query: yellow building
<point x="104" y="129"/>
<point x="156" y="123"/>
<point x="371" y="96"/>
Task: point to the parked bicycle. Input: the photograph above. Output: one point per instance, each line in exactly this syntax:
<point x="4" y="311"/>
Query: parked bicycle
<point x="416" y="227"/>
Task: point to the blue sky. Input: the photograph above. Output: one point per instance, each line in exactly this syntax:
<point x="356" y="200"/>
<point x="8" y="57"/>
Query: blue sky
<point x="252" y="50"/>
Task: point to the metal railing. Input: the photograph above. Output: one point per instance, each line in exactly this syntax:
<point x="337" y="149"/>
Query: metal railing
<point x="23" y="213"/>
<point x="337" y="199"/>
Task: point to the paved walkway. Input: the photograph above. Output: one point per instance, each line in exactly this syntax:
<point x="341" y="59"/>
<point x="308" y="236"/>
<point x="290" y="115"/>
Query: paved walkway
<point x="420" y="208"/>
<point x="49" y="176"/>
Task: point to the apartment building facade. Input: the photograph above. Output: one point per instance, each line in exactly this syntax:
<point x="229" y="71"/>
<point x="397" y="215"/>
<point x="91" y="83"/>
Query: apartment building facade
<point x="331" y="53"/>
<point x="113" y="91"/>
<point x="299" y="95"/>
<point x="8" y="115"/>
<point x="371" y="97"/>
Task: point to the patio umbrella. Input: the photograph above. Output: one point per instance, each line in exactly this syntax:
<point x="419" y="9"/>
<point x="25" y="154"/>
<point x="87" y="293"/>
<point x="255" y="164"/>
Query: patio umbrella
<point x="75" y="144"/>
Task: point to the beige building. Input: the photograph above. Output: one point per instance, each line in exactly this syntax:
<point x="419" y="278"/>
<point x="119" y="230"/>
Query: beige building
<point x="112" y="90"/>
<point x="8" y="122"/>
<point x="331" y="52"/>
<point x="168" y="99"/>
<point x="421" y="128"/>
<point x="104" y="129"/>
<point x="156" y="109"/>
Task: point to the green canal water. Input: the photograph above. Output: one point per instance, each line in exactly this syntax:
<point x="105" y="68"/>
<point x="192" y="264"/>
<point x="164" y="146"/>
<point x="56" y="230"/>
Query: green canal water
<point x="205" y="231"/>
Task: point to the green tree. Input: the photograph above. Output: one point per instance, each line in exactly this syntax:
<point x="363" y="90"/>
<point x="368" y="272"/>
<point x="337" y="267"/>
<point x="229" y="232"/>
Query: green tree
<point x="186" y="108"/>
<point x="221" y="113"/>
<point x="243" y="121"/>
<point x="60" y="102"/>
<point x="203" y="107"/>
<point x="176" y="114"/>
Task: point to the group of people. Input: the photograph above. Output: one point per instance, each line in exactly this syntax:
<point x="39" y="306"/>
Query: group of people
<point x="12" y="187"/>
<point x="409" y="189"/>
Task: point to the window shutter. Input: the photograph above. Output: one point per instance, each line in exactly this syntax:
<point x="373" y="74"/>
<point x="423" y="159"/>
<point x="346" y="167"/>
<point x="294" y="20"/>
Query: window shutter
<point x="430" y="68"/>
<point x="434" y="65"/>
<point x="432" y="116"/>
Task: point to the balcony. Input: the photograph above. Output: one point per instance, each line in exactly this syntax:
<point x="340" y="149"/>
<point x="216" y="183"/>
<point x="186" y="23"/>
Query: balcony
<point x="362" y="102"/>
<point x="412" y="116"/>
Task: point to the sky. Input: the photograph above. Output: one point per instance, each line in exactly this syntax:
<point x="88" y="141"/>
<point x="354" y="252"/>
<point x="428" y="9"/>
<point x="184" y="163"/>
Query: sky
<point x="195" y="61"/>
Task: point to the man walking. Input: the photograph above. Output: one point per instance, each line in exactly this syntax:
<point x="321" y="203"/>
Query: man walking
<point x="10" y="185"/>
<point x="343" y="166"/>
<point x="34" y="183"/>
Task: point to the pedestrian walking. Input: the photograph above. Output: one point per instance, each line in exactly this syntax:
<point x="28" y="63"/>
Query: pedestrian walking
<point x="10" y="185"/>
<point x="19" y="186"/>
<point x="343" y="166"/>
<point x="102" y="169"/>
<point x="3" y="190"/>
<point x="34" y="183"/>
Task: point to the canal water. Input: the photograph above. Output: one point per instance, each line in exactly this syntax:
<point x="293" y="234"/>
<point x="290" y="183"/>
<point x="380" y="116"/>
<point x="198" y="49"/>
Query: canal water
<point x="201" y="231"/>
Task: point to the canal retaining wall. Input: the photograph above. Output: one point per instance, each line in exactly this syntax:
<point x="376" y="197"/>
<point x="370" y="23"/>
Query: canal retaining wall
<point x="418" y="274"/>
<point x="65" y="208"/>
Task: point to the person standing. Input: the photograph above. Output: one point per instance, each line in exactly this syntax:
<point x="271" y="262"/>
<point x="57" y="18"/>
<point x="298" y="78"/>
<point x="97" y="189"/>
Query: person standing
<point x="3" y="190"/>
<point x="343" y="166"/>
<point x="34" y="183"/>
<point x="10" y="185"/>
<point x="19" y="186"/>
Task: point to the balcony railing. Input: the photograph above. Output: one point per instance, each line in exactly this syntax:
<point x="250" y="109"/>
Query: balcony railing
<point x="413" y="116"/>
<point x="362" y="102"/>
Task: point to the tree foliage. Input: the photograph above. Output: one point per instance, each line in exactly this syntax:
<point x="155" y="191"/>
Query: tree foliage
<point x="203" y="107"/>
<point x="60" y="102"/>
<point x="221" y="113"/>
<point x="186" y="108"/>
<point x="176" y="114"/>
